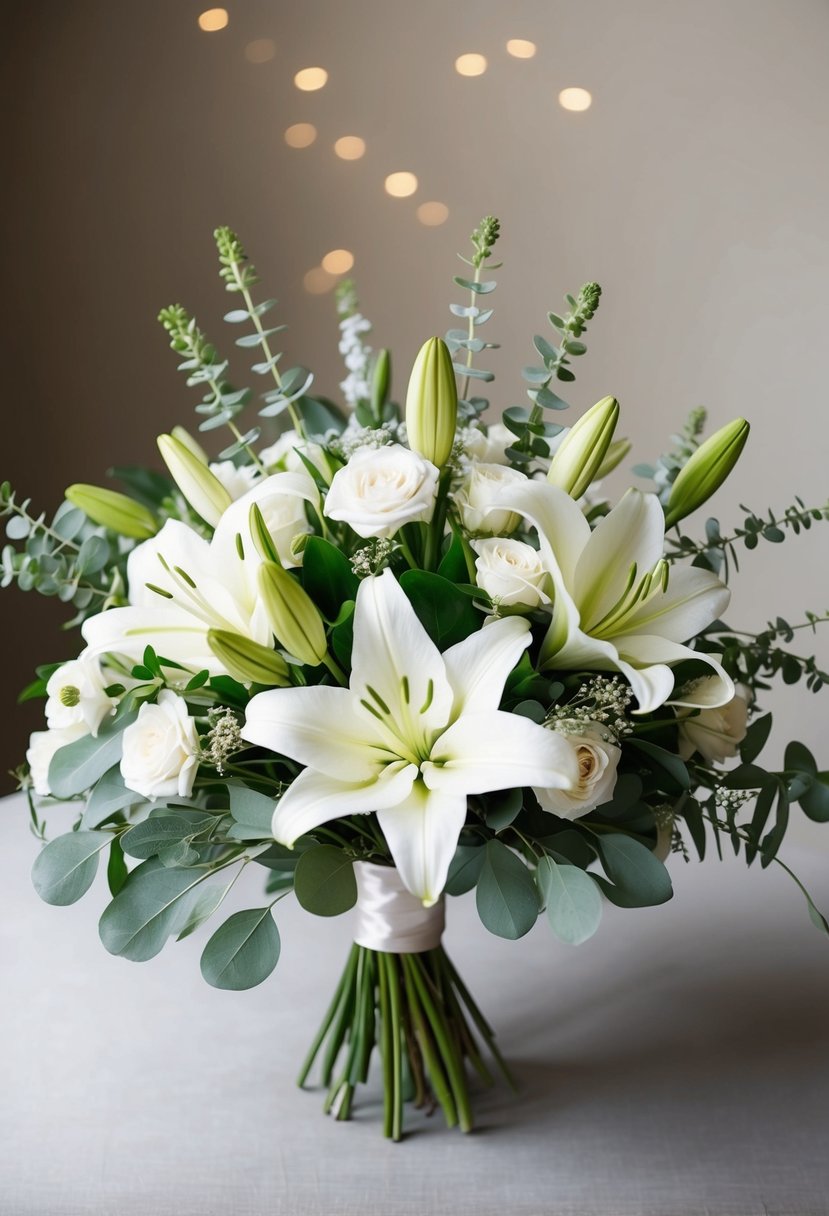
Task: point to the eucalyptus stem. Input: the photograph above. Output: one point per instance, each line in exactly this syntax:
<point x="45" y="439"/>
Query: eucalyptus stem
<point x="476" y="278"/>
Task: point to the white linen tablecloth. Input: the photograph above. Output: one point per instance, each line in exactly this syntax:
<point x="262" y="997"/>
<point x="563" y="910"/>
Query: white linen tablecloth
<point x="676" y="1064"/>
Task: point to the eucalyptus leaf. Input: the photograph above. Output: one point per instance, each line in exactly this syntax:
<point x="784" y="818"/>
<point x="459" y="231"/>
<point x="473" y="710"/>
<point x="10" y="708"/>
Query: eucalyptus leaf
<point x="65" y="869"/>
<point x="252" y="809"/>
<point x="154" y="904"/>
<point x="109" y="795"/>
<point x="638" y="873"/>
<point x="464" y="869"/>
<point x="506" y="897"/>
<point x="76" y="767"/>
<point x="243" y="951"/>
<point x="324" y="881"/>
<point x="574" y="902"/>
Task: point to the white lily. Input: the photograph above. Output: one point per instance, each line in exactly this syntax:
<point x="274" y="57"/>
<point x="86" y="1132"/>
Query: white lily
<point x="413" y="735"/>
<point x="181" y="585"/>
<point x="614" y="606"/>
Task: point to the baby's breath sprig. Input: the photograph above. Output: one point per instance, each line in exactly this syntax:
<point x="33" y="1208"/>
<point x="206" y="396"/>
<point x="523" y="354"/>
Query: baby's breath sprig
<point x="601" y="699"/>
<point x="223" y="739"/>
<point x="345" y="445"/>
<point x="373" y="557"/>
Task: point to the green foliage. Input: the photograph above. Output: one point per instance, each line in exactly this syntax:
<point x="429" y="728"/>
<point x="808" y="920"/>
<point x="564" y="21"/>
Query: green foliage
<point x="573" y="901"/>
<point x="459" y="340"/>
<point x="716" y="552"/>
<point x="639" y="878"/>
<point x="77" y="767"/>
<point x="754" y="659"/>
<point x="444" y="611"/>
<point x="506" y="897"/>
<point x="528" y="426"/>
<point x="70" y="558"/>
<point x="324" y="881"/>
<point x="65" y="869"/>
<point x="668" y="466"/>
<point x="243" y="951"/>
<point x="154" y="904"/>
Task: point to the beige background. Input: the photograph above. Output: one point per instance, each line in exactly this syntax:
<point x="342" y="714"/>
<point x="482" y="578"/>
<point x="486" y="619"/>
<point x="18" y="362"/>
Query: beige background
<point x="694" y="190"/>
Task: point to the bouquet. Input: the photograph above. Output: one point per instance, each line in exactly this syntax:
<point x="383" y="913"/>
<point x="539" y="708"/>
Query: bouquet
<point x="396" y="655"/>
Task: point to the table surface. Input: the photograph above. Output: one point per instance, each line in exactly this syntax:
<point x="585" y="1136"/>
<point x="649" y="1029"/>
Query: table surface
<point x="678" y="1063"/>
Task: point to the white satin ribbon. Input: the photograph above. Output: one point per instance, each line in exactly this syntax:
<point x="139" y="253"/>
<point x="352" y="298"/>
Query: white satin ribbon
<point x="389" y="918"/>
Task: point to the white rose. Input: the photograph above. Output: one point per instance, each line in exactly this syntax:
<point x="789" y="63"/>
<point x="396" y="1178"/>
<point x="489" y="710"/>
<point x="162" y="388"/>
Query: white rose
<point x="42" y="746"/>
<point x="236" y="479"/>
<point x="510" y="571"/>
<point x="715" y="733"/>
<point x="75" y="695"/>
<point x="380" y="489"/>
<point x="598" y="759"/>
<point x="490" y="447"/>
<point x="284" y="455"/>
<point x="160" y="749"/>
<point x="477" y="494"/>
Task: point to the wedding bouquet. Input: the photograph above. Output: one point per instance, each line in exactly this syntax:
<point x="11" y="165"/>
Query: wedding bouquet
<point x="397" y="655"/>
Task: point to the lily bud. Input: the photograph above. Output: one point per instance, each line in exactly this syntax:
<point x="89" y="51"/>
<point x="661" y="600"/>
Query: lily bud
<point x="183" y="436"/>
<point x="292" y="614"/>
<point x="578" y="460"/>
<point x="432" y="403"/>
<point x="113" y="510"/>
<point x="706" y="471"/>
<point x="202" y="489"/>
<point x="614" y="456"/>
<point x="246" y="660"/>
<point x="380" y="381"/>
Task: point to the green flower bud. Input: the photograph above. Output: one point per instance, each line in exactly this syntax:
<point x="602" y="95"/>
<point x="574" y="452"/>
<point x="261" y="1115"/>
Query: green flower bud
<point x="380" y="382"/>
<point x="614" y="456"/>
<point x="114" y="511"/>
<point x="202" y="489"/>
<point x="578" y="460"/>
<point x="293" y="615"/>
<point x="246" y="660"/>
<point x="706" y="471"/>
<point x="432" y="403"/>
<point x="183" y="436"/>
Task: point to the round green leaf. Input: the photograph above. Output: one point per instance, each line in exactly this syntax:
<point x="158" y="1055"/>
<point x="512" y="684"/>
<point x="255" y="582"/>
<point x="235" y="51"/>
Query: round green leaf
<point x="243" y="951"/>
<point x="66" y="867"/>
<point x="324" y="881"/>
<point x="506" y="896"/>
<point x="639" y="876"/>
<point x="464" y="869"/>
<point x="574" y="903"/>
<point x="154" y="903"/>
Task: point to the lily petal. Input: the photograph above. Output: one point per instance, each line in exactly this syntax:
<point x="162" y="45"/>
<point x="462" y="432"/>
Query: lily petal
<point x="632" y="533"/>
<point x="643" y="650"/>
<point x="319" y="726"/>
<point x="556" y="518"/>
<point x="313" y="798"/>
<point x="693" y="600"/>
<point x="498" y="751"/>
<point x="422" y="834"/>
<point x="170" y="630"/>
<point x="650" y="684"/>
<point x="396" y="667"/>
<point x="478" y="666"/>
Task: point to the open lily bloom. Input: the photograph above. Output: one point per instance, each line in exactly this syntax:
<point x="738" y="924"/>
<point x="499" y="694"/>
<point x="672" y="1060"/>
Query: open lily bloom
<point x="614" y="606"/>
<point x="413" y="735"/>
<point x="181" y="585"/>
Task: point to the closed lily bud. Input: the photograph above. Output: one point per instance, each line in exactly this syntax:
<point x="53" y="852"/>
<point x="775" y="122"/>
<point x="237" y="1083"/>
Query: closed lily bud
<point x="183" y="436"/>
<point x="614" y="456"/>
<point x="432" y="403"/>
<point x="113" y="510"/>
<point x="706" y="471"/>
<point x="202" y="489"/>
<point x="581" y="455"/>
<point x="380" y="382"/>
<point x="293" y="615"/>
<point x="246" y="660"/>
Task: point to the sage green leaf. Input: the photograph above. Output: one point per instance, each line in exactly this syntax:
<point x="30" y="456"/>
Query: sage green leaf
<point x="154" y="903"/>
<point x="157" y="833"/>
<point x="815" y="801"/>
<point x="108" y="796"/>
<point x="639" y="876"/>
<point x="574" y="903"/>
<point x="506" y="897"/>
<point x="252" y="812"/>
<point x="243" y="951"/>
<point x="208" y="899"/>
<point x="65" y="869"/>
<point x="324" y="881"/>
<point x="76" y="767"/>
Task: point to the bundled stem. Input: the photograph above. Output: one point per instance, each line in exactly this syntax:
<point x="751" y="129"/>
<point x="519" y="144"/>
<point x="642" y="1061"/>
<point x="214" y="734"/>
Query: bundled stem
<point x="417" y="1011"/>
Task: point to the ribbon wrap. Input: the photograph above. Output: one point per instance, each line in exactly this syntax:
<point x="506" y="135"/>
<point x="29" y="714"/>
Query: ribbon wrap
<point x="389" y="918"/>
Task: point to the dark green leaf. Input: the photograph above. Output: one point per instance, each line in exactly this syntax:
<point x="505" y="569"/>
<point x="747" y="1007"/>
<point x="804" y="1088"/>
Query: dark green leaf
<point x="243" y="951"/>
<point x="117" y="872"/>
<point x="637" y="873"/>
<point x="506" y="896"/>
<point x="327" y="576"/>
<point x="464" y="869"/>
<point x="667" y="761"/>
<point x="447" y="615"/>
<point x="755" y="738"/>
<point x="324" y="881"/>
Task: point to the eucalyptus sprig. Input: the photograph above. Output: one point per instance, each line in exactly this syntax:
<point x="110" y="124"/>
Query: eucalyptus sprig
<point x="222" y="403"/>
<point x="754" y="658"/>
<point x="715" y="551"/>
<point x="483" y="241"/>
<point x="668" y="466"/>
<point x="529" y="427"/>
<point x="240" y="277"/>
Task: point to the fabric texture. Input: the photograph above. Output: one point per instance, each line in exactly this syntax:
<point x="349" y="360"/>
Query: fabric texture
<point x="675" y="1065"/>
